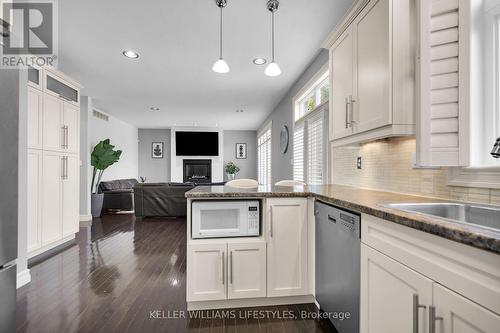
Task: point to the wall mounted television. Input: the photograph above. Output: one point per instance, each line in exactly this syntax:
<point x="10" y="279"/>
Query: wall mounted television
<point x="197" y="143"/>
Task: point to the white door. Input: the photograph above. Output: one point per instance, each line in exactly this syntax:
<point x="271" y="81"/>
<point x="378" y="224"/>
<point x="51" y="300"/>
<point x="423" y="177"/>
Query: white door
<point x="71" y="120"/>
<point x="34" y="199"/>
<point x="206" y="272"/>
<point x="70" y="201"/>
<point x="372" y="107"/>
<point x="387" y="295"/>
<point x="341" y="81"/>
<point x="246" y="270"/>
<point x="286" y="247"/>
<point x="35" y="118"/>
<point x="461" y="315"/>
<point x="51" y="197"/>
<point x="52" y="123"/>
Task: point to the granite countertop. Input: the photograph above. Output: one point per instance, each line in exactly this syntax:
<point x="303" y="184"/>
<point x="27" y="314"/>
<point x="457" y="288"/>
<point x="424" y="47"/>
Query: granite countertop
<point x="369" y="202"/>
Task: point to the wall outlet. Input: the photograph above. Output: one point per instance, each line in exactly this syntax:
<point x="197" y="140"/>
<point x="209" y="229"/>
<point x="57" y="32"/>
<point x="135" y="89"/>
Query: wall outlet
<point x="358" y="163"/>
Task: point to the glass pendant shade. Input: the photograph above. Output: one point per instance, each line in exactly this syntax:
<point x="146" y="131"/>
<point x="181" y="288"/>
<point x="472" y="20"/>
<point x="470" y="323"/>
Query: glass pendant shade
<point x="220" y="66"/>
<point x="272" y="69"/>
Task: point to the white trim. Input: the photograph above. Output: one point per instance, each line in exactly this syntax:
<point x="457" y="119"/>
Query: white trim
<point x="249" y="302"/>
<point x="23" y="278"/>
<point x="86" y="218"/>
<point x="474" y="177"/>
<point x="50" y="246"/>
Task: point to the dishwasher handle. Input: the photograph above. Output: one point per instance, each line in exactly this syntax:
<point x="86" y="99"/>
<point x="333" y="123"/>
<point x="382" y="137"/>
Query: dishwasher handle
<point x="332" y="218"/>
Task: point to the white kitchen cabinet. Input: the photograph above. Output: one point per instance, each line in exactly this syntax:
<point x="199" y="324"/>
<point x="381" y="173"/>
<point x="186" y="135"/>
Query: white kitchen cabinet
<point x="460" y="315"/>
<point x="374" y="45"/>
<point x="53" y="131"/>
<point x="389" y="295"/>
<point x="35" y="118"/>
<point x="287" y="247"/>
<point x="34" y="205"/>
<point x="71" y="125"/>
<point x="206" y="272"/>
<point x="246" y="270"/>
<point x="341" y="81"/>
<point x="70" y="199"/>
<point x="371" y="107"/>
<point x="51" y="198"/>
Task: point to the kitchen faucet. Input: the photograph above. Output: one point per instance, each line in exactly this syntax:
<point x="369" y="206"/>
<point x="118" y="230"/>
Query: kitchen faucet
<point x="495" y="152"/>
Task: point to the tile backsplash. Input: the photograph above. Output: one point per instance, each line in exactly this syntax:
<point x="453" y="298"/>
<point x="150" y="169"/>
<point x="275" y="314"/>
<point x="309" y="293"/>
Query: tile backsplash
<point x="386" y="166"/>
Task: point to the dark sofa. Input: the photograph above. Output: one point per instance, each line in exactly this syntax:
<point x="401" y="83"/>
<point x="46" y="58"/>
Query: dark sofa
<point x="118" y="194"/>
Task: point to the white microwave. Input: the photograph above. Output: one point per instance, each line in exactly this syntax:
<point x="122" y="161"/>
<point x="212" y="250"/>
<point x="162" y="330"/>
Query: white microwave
<point x="229" y="218"/>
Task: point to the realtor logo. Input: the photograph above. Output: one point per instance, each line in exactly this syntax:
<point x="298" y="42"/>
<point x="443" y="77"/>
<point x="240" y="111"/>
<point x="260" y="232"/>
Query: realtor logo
<point x="28" y="34"/>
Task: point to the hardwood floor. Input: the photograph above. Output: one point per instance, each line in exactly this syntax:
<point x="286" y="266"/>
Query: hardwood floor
<point x="129" y="276"/>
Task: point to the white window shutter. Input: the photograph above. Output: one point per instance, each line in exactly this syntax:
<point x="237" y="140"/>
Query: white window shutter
<point x="298" y="152"/>
<point x="315" y="149"/>
<point x="264" y="156"/>
<point x="443" y="76"/>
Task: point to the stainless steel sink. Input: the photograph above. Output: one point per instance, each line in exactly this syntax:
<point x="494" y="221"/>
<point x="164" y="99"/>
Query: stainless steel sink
<point x="480" y="215"/>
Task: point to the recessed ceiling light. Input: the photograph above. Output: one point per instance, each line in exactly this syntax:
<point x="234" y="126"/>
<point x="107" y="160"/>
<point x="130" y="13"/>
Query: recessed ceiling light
<point x="259" y="61"/>
<point x="154" y="108"/>
<point x="130" y="54"/>
<point x="239" y="111"/>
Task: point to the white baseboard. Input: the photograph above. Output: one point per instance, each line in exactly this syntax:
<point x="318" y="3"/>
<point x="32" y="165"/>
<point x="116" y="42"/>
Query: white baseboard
<point x="23" y="278"/>
<point x="249" y="302"/>
<point x="86" y="218"/>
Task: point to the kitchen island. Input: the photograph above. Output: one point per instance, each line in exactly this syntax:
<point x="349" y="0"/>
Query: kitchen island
<point x="407" y="259"/>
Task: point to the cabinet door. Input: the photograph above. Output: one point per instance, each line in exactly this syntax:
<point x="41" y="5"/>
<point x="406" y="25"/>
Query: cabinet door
<point x="287" y="247"/>
<point x="34" y="199"/>
<point x="206" y="272"/>
<point x="71" y="121"/>
<point x="35" y="118"/>
<point x="70" y="200"/>
<point x="341" y="81"/>
<point x="387" y="292"/>
<point x="52" y="123"/>
<point x="247" y="270"/>
<point x="371" y="106"/>
<point x="51" y="197"/>
<point x="461" y="315"/>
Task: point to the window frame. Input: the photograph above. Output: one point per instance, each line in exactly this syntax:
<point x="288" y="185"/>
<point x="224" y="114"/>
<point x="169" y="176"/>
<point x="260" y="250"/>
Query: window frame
<point x="316" y="82"/>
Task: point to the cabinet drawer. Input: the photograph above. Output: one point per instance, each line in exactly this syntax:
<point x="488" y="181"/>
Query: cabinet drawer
<point x="471" y="272"/>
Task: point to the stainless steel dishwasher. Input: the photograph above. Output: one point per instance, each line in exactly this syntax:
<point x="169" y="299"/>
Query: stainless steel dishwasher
<point x="338" y="251"/>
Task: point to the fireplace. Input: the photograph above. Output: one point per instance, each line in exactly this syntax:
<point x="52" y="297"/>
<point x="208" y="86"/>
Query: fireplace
<point x="197" y="171"/>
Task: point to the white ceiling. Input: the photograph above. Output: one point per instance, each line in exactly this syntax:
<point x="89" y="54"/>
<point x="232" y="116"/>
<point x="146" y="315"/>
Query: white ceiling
<point x="178" y="44"/>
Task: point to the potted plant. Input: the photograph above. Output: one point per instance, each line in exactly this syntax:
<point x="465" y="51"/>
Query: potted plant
<point x="102" y="157"/>
<point x="231" y="170"/>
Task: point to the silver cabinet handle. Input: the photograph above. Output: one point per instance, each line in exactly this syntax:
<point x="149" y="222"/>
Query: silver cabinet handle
<point x="66" y="167"/>
<point x="346" y="112"/>
<point x="416" y="307"/>
<point x="63" y="133"/>
<point x="222" y="266"/>
<point x="66" y="136"/>
<point x="432" y="319"/>
<point x="231" y="264"/>
<point x="351" y="118"/>
<point x="62" y="167"/>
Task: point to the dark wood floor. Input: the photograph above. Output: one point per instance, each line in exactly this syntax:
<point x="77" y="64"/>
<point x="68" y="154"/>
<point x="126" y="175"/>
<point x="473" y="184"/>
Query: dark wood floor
<point x="121" y="272"/>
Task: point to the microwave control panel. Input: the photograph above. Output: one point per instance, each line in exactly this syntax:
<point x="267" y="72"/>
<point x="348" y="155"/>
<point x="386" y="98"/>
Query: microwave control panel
<point x="253" y="218"/>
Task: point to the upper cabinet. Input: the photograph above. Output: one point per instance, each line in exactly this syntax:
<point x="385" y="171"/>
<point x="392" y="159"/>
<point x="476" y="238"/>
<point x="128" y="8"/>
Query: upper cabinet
<point x="372" y="72"/>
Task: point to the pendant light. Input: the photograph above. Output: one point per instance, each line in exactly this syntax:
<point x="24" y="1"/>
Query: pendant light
<point x="272" y="69"/>
<point x="220" y="65"/>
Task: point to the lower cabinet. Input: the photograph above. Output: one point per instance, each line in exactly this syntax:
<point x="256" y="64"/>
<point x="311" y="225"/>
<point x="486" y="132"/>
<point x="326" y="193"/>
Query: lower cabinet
<point x="287" y="269"/>
<point x="226" y="270"/>
<point x="397" y="299"/>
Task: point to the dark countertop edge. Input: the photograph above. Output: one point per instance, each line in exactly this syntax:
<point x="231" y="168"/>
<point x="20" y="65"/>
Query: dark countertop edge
<point x="472" y="237"/>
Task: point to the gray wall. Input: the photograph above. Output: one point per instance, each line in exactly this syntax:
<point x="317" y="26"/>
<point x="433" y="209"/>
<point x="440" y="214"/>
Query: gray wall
<point x="281" y="164"/>
<point x="248" y="166"/>
<point x="155" y="170"/>
<point x="85" y="111"/>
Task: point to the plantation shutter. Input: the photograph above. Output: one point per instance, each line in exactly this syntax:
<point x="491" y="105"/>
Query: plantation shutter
<point x="443" y="134"/>
<point x="315" y="148"/>
<point x="264" y="156"/>
<point x="298" y="152"/>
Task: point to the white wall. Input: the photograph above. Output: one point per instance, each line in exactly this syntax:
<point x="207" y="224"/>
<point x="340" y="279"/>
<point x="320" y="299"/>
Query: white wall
<point x="217" y="161"/>
<point x="156" y="170"/>
<point x="125" y="137"/>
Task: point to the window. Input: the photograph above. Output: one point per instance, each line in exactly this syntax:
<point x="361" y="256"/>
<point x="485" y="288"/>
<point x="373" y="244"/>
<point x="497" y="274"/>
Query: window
<point x="264" y="154"/>
<point x="310" y="133"/>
